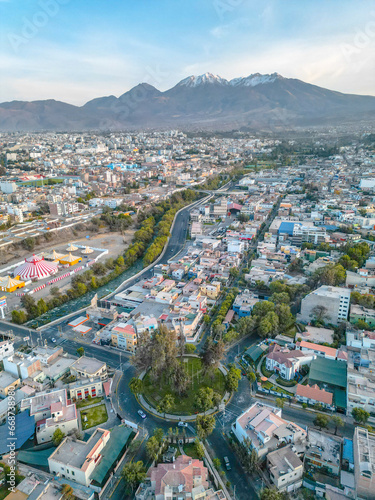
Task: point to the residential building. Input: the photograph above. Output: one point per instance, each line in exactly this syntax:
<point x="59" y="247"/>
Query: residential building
<point x="8" y="382"/>
<point x="51" y="410"/>
<point x="86" y="367"/>
<point x="6" y="349"/>
<point x="358" y="312"/>
<point x="184" y="478"/>
<point x="90" y="462"/>
<point x="329" y="302"/>
<point x="244" y="302"/>
<point x="285" y="468"/>
<point x="262" y="429"/>
<point x="364" y="463"/>
<point x="312" y="395"/>
<point x="83" y="388"/>
<point x="323" y="454"/>
<point x="285" y="362"/>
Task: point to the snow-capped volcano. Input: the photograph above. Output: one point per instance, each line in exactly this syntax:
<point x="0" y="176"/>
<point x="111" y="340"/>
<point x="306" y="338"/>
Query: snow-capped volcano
<point x="195" y="81"/>
<point x="255" y="79"/>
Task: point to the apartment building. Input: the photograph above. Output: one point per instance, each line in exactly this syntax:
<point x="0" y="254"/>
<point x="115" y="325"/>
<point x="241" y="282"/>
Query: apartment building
<point x="330" y="302"/>
<point x="364" y="463"/>
<point x="86" y="367"/>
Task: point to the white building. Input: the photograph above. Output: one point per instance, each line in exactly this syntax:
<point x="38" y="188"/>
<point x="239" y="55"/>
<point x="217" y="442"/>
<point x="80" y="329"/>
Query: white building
<point x="331" y="302"/>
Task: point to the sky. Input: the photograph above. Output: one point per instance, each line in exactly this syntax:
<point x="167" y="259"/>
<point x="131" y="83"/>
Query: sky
<point x="76" y="50"/>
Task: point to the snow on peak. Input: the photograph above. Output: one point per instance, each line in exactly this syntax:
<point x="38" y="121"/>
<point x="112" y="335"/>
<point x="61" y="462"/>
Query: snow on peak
<point x="254" y="80"/>
<point x="195" y="81"/>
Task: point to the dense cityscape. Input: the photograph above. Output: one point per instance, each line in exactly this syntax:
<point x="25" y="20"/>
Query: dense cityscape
<point x="188" y="311"/>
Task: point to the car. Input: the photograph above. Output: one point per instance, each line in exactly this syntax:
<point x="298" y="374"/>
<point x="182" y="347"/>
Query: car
<point x="53" y="340"/>
<point x="141" y="414"/>
<point x="227" y="464"/>
<point x="182" y="424"/>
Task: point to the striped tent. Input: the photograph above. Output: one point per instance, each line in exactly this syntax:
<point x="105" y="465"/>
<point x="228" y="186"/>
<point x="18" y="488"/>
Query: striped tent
<point x="35" y="268"/>
<point x="71" y="248"/>
<point x="87" y="250"/>
<point x="8" y="284"/>
<point x="54" y="256"/>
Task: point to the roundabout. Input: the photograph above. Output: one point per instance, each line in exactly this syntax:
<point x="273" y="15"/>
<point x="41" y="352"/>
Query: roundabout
<point x="204" y="394"/>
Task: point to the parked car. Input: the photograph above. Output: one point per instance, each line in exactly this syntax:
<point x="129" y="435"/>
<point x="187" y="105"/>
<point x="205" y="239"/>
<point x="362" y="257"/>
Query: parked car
<point x="227" y="464"/>
<point x="182" y="424"/>
<point x="141" y="414"/>
<point x="53" y="340"/>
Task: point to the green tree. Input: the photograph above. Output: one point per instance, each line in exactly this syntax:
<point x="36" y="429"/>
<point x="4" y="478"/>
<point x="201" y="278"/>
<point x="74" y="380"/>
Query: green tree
<point x="136" y="385"/>
<point x="199" y="450"/>
<point x="42" y="307"/>
<point x="19" y="317"/>
<point x="134" y="473"/>
<point x="57" y="436"/>
<point x="67" y="491"/>
<point x="232" y="378"/>
<point x="205" y="425"/>
<point x="217" y="463"/>
<point x="337" y="422"/>
<point x="166" y="404"/>
<point x="190" y="348"/>
<point x="280" y="402"/>
<point x="321" y="421"/>
<point x="234" y="272"/>
<point x="80" y="351"/>
<point x="206" y="398"/>
<point x="206" y="319"/>
<point x="271" y="494"/>
<point x="152" y="448"/>
<point x="159" y="435"/>
<point x="360" y="415"/>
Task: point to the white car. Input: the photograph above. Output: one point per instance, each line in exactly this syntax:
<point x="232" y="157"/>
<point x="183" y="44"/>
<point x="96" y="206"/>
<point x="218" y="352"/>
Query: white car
<point x="53" y="340"/>
<point x="141" y="414"/>
<point x="182" y="424"/>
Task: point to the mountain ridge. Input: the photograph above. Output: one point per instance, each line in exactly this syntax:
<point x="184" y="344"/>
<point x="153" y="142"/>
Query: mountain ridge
<point x="205" y="101"/>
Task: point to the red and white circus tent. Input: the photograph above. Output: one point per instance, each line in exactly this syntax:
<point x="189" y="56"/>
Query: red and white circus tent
<point x="35" y="268"/>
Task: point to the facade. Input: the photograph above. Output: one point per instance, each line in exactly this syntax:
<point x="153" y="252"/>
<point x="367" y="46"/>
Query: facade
<point x="83" y="388"/>
<point x="124" y="336"/>
<point x="8" y="382"/>
<point x="361" y="380"/>
<point x="285" y="468"/>
<point x="332" y="301"/>
<point x="6" y="349"/>
<point x="244" y="303"/>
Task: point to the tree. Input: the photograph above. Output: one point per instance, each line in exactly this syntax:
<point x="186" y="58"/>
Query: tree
<point x="42" y="307"/>
<point x="206" y="398"/>
<point x="190" y="348"/>
<point x="337" y="422"/>
<point x="360" y="415"/>
<point x="67" y="491"/>
<point x="217" y="463"/>
<point x="136" y="385"/>
<point x="159" y="435"/>
<point x="232" y="378"/>
<point x="205" y="425"/>
<point x="270" y="494"/>
<point x="280" y="402"/>
<point x="234" y="272"/>
<point x="80" y="351"/>
<point x="199" y="450"/>
<point x="269" y="325"/>
<point x="134" y="473"/>
<point x="320" y="313"/>
<point x="251" y="377"/>
<point x="321" y="421"/>
<point x="152" y="448"/>
<point x="206" y="319"/>
<point x="55" y="291"/>
<point x="166" y="404"/>
<point x="280" y="298"/>
<point x="212" y="354"/>
<point x="19" y="317"/>
<point x="57" y="436"/>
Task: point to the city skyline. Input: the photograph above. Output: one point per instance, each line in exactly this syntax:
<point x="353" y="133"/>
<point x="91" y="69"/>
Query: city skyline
<point x="56" y="49"/>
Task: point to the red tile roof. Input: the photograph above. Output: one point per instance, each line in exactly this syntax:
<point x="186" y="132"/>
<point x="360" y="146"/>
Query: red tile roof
<point x="313" y="392"/>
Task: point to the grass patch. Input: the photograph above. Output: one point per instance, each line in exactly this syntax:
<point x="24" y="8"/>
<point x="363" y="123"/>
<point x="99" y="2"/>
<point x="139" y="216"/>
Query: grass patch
<point x="271" y="387"/>
<point x="189" y="449"/>
<point x="286" y="383"/>
<point x="95" y="416"/>
<point x="88" y="402"/>
<point x="291" y="332"/>
<point x="263" y="369"/>
<point x="154" y="392"/>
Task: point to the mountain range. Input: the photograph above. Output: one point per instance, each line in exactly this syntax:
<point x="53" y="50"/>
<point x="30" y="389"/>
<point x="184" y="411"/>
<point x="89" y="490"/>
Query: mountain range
<point x="205" y="102"/>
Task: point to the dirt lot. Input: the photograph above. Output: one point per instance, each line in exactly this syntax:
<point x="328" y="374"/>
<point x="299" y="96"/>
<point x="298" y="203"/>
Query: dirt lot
<point x="115" y="242"/>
